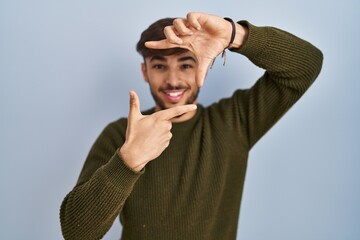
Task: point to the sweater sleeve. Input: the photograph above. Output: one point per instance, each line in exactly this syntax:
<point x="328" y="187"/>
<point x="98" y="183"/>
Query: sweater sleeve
<point x="105" y="182"/>
<point x="291" y="65"/>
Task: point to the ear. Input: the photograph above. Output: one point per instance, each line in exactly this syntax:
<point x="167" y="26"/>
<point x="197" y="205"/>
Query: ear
<point x="144" y="72"/>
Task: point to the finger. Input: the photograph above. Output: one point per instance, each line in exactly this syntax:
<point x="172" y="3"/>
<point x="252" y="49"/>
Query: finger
<point x="202" y="71"/>
<point x="182" y="26"/>
<point x="170" y="113"/>
<point x="172" y="35"/>
<point x="193" y="19"/>
<point x="134" y="110"/>
<point x="161" y="44"/>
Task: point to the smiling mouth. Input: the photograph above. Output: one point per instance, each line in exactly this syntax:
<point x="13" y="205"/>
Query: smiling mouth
<point x="174" y="95"/>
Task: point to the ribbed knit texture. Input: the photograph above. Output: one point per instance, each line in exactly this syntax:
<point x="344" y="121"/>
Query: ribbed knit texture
<point x="193" y="189"/>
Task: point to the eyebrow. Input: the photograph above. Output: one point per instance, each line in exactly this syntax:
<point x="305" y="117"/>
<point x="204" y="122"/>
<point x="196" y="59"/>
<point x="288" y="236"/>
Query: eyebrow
<point x="183" y="59"/>
<point x="158" y="57"/>
<point x="163" y="59"/>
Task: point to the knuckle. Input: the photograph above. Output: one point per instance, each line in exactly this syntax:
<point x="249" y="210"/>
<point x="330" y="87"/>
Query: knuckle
<point x="132" y="103"/>
<point x="180" y="111"/>
<point x="176" y="21"/>
<point x="189" y="15"/>
<point x="155" y="118"/>
<point x="176" y="110"/>
<point x="168" y="30"/>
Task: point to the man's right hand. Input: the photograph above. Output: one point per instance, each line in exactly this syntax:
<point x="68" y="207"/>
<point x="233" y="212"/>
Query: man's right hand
<point x="147" y="136"/>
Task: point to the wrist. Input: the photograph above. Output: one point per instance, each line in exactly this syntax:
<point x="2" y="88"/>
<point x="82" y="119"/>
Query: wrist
<point x="130" y="161"/>
<point x="241" y="36"/>
<point x="238" y="34"/>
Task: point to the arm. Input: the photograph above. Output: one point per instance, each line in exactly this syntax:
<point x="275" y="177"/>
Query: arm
<point x="105" y="182"/>
<point x="291" y="65"/>
<point x="112" y="168"/>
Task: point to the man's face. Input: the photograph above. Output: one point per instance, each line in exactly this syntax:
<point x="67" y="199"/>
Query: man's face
<point x="171" y="79"/>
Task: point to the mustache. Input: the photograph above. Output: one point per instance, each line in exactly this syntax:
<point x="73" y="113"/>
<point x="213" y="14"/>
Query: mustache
<point x="170" y="87"/>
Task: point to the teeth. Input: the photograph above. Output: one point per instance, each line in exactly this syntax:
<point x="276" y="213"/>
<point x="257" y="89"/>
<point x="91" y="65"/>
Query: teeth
<point x="174" y="94"/>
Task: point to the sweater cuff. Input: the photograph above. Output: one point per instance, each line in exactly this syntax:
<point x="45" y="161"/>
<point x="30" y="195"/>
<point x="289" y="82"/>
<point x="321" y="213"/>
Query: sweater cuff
<point x="118" y="173"/>
<point x="256" y="41"/>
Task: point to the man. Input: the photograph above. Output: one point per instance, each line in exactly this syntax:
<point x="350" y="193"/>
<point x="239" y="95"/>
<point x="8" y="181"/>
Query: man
<point x="177" y="171"/>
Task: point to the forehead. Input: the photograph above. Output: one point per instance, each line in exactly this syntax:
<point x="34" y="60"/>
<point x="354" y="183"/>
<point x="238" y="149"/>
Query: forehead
<point x="186" y="56"/>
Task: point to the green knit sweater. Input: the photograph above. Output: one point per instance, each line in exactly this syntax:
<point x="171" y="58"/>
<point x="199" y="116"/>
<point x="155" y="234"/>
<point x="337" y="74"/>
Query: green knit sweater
<point x="193" y="189"/>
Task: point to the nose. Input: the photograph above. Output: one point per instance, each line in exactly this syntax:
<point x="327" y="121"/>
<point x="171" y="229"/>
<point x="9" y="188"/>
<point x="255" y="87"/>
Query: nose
<point x="172" y="78"/>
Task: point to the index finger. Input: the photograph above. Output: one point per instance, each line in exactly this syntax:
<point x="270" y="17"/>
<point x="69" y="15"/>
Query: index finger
<point x="160" y="44"/>
<point x="171" y="40"/>
<point x="170" y="113"/>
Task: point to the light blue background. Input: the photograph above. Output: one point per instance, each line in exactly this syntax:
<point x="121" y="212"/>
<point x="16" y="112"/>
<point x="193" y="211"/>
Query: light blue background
<point x="65" y="71"/>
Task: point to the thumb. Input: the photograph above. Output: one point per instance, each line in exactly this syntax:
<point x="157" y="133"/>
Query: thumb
<point x="134" y="110"/>
<point x="202" y="70"/>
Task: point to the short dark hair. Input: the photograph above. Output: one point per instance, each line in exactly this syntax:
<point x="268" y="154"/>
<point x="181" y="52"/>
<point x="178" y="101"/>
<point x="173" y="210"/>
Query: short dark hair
<point x="155" y="32"/>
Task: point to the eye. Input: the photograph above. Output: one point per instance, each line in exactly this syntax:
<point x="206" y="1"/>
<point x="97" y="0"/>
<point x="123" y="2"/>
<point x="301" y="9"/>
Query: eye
<point x="158" y="66"/>
<point x="186" y="66"/>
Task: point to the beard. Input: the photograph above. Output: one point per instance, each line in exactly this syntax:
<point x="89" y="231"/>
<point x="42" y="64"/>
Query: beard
<point x="161" y="103"/>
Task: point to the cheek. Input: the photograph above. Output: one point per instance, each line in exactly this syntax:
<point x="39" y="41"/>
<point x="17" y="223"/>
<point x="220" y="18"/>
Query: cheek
<point x="190" y="78"/>
<point x="154" y="78"/>
<point x="155" y="83"/>
<point x="188" y="75"/>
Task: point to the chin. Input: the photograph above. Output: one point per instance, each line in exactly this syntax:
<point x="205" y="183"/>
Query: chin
<point x="171" y="105"/>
